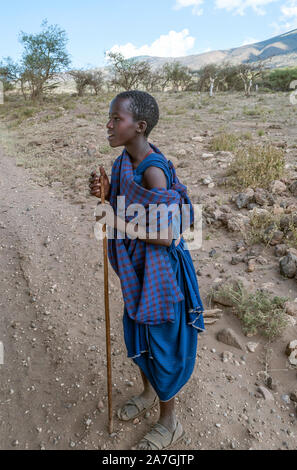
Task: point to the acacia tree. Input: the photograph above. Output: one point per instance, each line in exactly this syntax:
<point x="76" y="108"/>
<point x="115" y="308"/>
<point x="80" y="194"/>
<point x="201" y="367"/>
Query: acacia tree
<point x="153" y="81"/>
<point x="44" y="56"/>
<point x="127" y="73"/>
<point x="96" y="80"/>
<point x="87" y="78"/>
<point x="9" y="73"/>
<point x="248" y="73"/>
<point x="81" y="80"/>
<point x="177" y="75"/>
<point x="209" y="75"/>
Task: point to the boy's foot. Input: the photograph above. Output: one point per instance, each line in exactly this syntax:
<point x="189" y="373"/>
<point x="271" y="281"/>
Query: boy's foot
<point x="136" y="406"/>
<point x="159" y="437"/>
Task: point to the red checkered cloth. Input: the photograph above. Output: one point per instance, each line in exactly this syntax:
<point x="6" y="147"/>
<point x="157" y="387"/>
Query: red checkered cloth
<point x="148" y="282"/>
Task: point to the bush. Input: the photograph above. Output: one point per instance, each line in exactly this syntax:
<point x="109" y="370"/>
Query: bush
<point x="224" y="142"/>
<point x="280" y="79"/>
<point x="257" y="166"/>
<point x="258" y="311"/>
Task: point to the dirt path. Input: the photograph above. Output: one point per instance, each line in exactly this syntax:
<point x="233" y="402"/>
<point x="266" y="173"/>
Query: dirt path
<point x="53" y="332"/>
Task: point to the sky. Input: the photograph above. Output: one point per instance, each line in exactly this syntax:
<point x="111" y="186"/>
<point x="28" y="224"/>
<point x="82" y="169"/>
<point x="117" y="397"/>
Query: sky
<point x="164" y="28"/>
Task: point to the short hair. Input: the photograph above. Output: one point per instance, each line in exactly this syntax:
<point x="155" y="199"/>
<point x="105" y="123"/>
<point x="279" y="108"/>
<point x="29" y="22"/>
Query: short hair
<point x="143" y="106"/>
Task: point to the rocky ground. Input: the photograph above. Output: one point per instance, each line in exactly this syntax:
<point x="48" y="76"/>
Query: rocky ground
<point x="53" y="387"/>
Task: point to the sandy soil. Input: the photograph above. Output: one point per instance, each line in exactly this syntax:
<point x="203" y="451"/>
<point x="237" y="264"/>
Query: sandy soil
<point x="52" y="318"/>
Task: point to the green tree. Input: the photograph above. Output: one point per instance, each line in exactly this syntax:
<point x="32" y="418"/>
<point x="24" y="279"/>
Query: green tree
<point x="209" y="75"/>
<point x="44" y="56"/>
<point x="81" y="79"/>
<point x="96" y="80"/>
<point x="249" y="73"/>
<point x="127" y="73"/>
<point x="177" y="75"/>
<point x="280" y="79"/>
<point x="9" y="73"/>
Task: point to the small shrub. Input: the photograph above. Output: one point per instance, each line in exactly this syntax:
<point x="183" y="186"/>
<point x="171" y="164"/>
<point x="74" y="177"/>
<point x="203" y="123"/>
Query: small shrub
<point x="256" y="111"/>
<point x="257" y="166"/>
<point x="258" y="224"/>
<point x="246" y="136"/>
<point x="261" y="132"/>
<point x="28" y="112"/>
<point x="259" y="312"/>
<point x="177" y="111"/>
<point x="214" y="111"/>
<point x="192" y="105"/>
<point x="197" y="117"/>
<point x="104" y="149"/>
<point x="69" y="106"/>
<point x="224" y="142"/>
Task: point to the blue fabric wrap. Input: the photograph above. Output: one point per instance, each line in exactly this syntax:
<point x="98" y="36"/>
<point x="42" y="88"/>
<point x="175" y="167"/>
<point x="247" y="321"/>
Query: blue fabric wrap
<point x="156" y="160"/>
<point x="148" y="283"/>
<point x="166" y="353"/>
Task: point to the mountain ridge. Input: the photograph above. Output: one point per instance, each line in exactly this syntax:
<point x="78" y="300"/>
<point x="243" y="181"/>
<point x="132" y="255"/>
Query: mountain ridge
<point x="278" y="51"/>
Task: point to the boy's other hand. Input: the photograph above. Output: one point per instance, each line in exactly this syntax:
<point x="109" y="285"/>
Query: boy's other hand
<point x="95" y="186"/>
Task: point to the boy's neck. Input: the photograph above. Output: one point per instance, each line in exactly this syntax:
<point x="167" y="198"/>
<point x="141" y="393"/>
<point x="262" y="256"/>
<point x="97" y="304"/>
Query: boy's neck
<point x="138" y="150"/>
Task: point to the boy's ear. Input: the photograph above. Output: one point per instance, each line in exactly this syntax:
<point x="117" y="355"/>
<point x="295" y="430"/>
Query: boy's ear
<point x="141" y="128"/>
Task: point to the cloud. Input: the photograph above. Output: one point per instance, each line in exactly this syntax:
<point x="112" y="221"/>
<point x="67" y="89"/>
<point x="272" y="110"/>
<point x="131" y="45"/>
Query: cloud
<point x="249" y="41"/>
<point x="190" y="3"/>
<point x="173" y="44"/>
<point x="288" y="18"/>
<point x="289" y="10"/>
<point x="239" y="6"/>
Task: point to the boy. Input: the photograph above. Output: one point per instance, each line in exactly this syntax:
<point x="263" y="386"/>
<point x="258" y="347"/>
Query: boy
<point x="165" y="351"/>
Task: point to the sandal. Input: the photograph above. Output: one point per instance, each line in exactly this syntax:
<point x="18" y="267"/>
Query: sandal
<point x="159" y="437"/>
<point x="140" y="403"/>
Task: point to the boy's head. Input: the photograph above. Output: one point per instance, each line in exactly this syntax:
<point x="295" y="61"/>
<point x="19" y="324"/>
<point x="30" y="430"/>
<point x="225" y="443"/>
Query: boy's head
<point x="132" y="113"/>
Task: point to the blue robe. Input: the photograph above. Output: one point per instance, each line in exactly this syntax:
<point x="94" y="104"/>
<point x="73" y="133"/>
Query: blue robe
<point x="166" y="352"/>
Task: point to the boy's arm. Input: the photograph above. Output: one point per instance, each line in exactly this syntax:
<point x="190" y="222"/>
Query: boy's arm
<point x="153" y="178"/>
<point x="120" y="224"/>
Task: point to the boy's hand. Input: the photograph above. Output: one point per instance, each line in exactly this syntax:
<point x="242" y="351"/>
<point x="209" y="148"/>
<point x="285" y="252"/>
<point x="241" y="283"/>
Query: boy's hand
<point x="95" y="186"/>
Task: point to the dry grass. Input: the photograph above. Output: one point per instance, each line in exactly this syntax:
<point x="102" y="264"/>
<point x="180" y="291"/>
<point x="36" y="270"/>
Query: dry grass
<point x="259" y="224"/>
<point x="224" y="142"/>
<point x="262" y="228"/>
<point x="257" y="166"/>
<point x="259" y="312"/>
<point x="65" y="126"/>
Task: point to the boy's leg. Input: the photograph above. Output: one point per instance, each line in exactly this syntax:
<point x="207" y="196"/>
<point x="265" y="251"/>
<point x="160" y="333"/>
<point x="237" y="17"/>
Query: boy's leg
<point x="167" y="414"/>
<point x="167" y="418"/>
<point x="148" y="391"/>
<point x="167" y="411"/>
<point x="148" y="396"/>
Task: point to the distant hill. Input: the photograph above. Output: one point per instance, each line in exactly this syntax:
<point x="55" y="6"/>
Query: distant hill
<point x="279" y="51"/>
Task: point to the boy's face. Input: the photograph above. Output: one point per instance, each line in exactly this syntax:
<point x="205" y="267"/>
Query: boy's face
<point x="121" y="126"/>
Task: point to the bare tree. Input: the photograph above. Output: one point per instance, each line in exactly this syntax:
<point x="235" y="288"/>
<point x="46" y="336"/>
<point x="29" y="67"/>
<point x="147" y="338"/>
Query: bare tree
<point x="177" y="75"/>
<point x="127" y="73"/>
<point x="248" y="73"/>
<point x="81" y="79"/>
<point x="96" y="80"/>
<point x="153" y="81"/>
<point x="208" y="76"/>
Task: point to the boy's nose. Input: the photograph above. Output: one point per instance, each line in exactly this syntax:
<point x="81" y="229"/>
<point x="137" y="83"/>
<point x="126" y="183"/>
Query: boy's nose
<point x="109" y="124"/>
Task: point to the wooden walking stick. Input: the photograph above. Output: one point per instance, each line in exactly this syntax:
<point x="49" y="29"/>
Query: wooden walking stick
<point x="107" y="320"/>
